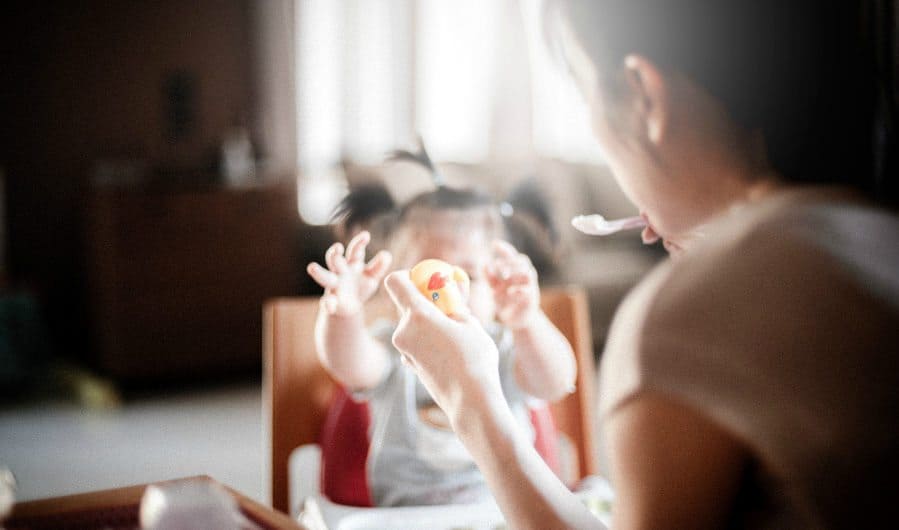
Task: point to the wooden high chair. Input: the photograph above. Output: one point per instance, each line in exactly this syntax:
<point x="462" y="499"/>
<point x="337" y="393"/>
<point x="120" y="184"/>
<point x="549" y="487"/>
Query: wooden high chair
<point x="297" y="391"/>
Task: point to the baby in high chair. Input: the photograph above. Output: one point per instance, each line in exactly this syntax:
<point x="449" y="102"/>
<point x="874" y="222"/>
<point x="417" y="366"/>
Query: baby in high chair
<point x="414" y="457"/>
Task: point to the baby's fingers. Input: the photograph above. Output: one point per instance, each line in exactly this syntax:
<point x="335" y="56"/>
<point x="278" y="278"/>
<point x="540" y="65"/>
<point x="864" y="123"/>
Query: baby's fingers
<point x="329" y="303"/>
<point x="518" y="293"/>
<point x="504" y="249"/>
<point x="322" y="276"/>
<point x="496" y="273"/>
<point x="500" y="276"/>
<point x="378" y="265"/>
<point x="334" y="258"/>
<point x="355" y="250"/>
<point x="518" y="278"/>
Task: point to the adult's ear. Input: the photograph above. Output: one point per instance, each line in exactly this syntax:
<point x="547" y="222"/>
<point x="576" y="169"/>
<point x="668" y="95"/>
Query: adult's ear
<point x="651" y="96"/>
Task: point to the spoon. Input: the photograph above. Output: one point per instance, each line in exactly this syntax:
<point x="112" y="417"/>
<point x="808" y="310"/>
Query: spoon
<point x="597" y="225"/>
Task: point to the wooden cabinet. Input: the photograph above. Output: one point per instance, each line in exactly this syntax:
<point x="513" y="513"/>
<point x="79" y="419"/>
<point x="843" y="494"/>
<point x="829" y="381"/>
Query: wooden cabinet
<point x="177" y="278"/>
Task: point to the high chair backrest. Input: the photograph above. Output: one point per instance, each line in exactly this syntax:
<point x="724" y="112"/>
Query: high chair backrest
<point x="297" y="391"/>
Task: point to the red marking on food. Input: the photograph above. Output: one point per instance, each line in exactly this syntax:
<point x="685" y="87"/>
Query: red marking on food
<point x="437" y="281"/>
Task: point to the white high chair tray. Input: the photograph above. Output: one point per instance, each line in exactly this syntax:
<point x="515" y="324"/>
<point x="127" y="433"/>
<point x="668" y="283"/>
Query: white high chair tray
<point x="317" y="512"/>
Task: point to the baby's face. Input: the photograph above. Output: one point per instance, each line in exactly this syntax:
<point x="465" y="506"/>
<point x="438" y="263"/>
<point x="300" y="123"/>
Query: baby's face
<point x="466" y="247"/>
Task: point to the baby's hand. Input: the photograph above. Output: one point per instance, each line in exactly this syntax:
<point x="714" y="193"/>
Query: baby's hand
<point x="348" y="281"/>
<point x="514" y="282"/>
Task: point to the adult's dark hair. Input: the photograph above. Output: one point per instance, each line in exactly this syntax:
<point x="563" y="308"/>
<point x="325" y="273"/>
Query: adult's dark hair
<point x="810" y="75"/>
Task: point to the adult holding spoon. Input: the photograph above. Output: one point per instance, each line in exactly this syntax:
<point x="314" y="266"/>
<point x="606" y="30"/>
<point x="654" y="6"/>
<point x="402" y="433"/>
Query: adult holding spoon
<point x="751" y="382"/>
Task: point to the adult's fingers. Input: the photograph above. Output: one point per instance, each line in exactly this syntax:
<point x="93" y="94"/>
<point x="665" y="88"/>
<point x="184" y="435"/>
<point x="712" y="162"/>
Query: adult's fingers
<point x="322" y="276"/>
<point x="406" y="296"/>
<point x="401" y="290"/>
<point x="355" y="249"/>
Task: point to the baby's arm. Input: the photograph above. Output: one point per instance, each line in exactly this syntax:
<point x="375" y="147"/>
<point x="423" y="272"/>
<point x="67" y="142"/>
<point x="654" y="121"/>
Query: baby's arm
<point x="544" y="361"/>
<point x="344" y="346"/>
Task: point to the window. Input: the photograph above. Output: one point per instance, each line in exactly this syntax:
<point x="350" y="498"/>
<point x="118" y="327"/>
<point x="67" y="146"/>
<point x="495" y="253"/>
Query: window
<point x="372" y="74"/>
<point x="561" y="125"/>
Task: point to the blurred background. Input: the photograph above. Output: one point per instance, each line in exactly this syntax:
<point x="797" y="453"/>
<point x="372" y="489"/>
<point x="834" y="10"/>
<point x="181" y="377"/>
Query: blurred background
<point x="168" y="166"/>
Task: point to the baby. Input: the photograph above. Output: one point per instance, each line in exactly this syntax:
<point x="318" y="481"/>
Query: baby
<point x="414" y="457"/>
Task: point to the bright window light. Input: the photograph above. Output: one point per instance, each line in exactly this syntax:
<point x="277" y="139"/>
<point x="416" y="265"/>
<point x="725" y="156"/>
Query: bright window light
<point x="319" y="57"/>
<point x="561" y="119"/>
<point x="371" y="74"/>
<point x="376" y="92"/>
<point x="454" y="77"/>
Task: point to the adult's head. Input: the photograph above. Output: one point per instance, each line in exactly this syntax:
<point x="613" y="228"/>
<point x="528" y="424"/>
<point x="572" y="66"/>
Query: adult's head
<point x="699" y="103"/>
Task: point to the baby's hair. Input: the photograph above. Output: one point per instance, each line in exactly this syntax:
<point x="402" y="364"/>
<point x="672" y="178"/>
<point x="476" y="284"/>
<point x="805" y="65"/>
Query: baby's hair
<point x="525" y="219"/>
<point x="371" y="207"/>
<point x="526" y="198"/>
<point x="530" y="226"/>
<point x="446" y="198"/>
<point x="420" y="158"/>
<point x="363" y="204"/>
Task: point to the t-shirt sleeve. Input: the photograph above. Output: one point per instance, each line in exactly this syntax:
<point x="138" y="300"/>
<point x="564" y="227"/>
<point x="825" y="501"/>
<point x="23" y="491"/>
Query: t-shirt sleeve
<point x="782" y="333"/>
<point x="621" y="376"/>
<point x="737" y="332"/>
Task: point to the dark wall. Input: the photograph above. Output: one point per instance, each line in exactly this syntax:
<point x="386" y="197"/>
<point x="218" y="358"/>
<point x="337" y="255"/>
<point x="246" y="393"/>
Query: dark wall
<point x="154" y="82"/>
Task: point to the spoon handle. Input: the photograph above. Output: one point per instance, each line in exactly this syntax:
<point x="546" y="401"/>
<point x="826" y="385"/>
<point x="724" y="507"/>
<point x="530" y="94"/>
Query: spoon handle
<point x="597" y="225"/>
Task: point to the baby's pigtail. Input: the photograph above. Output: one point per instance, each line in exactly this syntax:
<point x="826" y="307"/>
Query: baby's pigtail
<point x="527" y="214"/>
<point x="421" y="158"/>
<point x="366" y="207"/>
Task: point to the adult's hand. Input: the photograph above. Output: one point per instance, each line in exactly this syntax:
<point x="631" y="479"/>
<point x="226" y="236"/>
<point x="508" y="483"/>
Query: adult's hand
<point x="454" y="357"/>
<point x="457" y="361"/>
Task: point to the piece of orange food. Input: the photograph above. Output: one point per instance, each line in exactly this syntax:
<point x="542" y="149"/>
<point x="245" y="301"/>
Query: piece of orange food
<point x="444" y="284"/>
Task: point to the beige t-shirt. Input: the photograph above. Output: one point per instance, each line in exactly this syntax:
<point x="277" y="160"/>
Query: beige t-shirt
<point x="783" y="328"/>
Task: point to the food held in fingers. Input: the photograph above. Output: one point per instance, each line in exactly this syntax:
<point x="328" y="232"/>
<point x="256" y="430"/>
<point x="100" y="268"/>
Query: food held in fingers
<point x="444" y="284"/>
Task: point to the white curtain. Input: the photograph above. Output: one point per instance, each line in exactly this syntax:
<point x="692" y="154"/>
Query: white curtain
<point x="473" y="77"/>
<point x="560" y="126"/>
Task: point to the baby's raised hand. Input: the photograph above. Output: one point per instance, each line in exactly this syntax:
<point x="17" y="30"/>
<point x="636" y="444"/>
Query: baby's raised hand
<point x="514" y="282"/>
<point x="348" y="281"/>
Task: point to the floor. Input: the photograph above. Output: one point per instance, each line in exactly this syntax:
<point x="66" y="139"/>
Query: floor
<point x="58" y="448"/>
